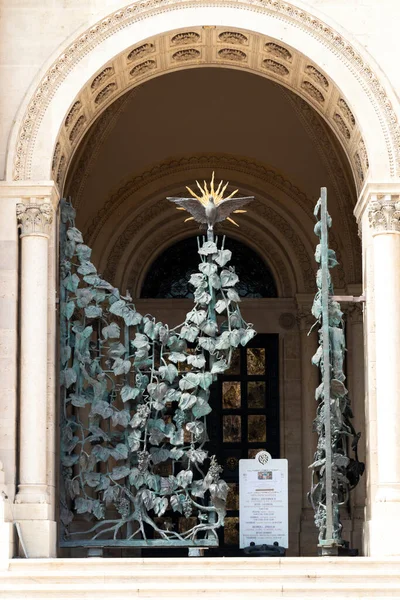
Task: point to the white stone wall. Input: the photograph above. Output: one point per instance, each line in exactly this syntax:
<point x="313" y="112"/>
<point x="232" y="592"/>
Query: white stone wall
<point x="32" y="32"/>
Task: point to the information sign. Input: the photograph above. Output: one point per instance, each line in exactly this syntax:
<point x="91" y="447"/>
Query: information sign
<point x="263" y="500"/>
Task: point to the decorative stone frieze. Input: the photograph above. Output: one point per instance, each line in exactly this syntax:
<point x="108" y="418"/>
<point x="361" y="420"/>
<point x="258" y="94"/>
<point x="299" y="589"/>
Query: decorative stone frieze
<point x="275" y="67"/>
<point x="384" y="214"/>
<point x="233" y="37"/>
<point x="34" y="217"/>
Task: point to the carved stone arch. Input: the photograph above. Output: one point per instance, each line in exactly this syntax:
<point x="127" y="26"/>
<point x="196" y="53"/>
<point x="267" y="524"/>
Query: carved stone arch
<point x="350" y="269"/>
<point x="186" y="169"/>
<point x="213" y="46"/>
<point x="90" y="146"/>
<point x="52" y="105"/>
<point x="268" y="248"/>
<point x="147" y="228"/>
<point x="141" y="208"/>
<point x="338" y="171"/>
<point x="270" y="183"/>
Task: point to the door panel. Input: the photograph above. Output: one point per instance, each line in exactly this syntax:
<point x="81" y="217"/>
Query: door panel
<point x="245" y="419"/>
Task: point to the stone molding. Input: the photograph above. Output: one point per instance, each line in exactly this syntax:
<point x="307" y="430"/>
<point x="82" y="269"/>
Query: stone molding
<point x="91" y="146"/>
<point x="213" y="161"/>
<point x="287" y="320"/>
<point x="34" y="217"/>
<point x="122" y="18"/>
<point x="144" y="257"/>
<point x="30" y="189"/>
<point x="157" y="55"/>
<point x="149" y="212"/>
<point x="181" y="165"/>
<point x="317" y="131"/>
<point x="313" y="124"/>
<point x="384" y="214"/>
<point x="374" y="190"/>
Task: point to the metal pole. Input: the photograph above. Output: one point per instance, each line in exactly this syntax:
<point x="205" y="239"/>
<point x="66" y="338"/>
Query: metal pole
<point x="329" y="541"/>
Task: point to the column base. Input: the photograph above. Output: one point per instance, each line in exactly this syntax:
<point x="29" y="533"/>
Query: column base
<point x="39" y="539"/>
<point x="6" y="532"/>
<point x="6" y="544"/>
<point x="32" y="494"/>
<point x="382" y="531"/>
<point x="37" y="530"/>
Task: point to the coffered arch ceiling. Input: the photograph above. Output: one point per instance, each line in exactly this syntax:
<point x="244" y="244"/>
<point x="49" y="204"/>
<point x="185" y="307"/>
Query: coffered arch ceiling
<point x="164" y="134"/>
<point x="205" y="47"/>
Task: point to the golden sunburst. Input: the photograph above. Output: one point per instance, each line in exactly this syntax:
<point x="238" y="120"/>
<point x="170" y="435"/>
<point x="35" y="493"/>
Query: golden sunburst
<point x="216" y="194"/>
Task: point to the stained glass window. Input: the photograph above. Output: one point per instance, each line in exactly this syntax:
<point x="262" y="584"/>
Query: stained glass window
<point x="169" y="274"/>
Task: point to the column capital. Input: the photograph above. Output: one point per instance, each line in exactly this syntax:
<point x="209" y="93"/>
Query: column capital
<point x="354" y="313"/>
<point x="305" y="319"/>
<point x="384" y="213"/>
<point x="34" y="216"/>
<point x="371" y="190"/>
<point x="30" y="189"/>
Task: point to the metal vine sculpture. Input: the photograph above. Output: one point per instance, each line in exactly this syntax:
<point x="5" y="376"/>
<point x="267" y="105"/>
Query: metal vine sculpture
<point x="334" y="474"/>
<point x="135" y="397"/>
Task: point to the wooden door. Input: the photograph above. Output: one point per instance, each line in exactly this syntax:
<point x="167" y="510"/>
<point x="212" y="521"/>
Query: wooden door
<point x="245" y="419"/>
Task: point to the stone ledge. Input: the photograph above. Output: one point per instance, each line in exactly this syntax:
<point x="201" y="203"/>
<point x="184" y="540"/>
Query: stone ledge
<point x="215" y="591"/>
<point x="209" y="579"/>
<point x="367" y="564"/>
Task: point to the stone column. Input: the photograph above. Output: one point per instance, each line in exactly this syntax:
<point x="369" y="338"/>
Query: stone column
<point x="8" y="363"/>
<point x="8" y="336"/>
<point x="309" y="383"/>
<point x="35" y="219"/>
<point x="33" y="508"/>
<point x="356" y="387"/>
<point x="384" y="527"/>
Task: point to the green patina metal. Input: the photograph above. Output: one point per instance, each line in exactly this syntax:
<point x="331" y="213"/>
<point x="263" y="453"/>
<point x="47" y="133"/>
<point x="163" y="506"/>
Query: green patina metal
<point x="334" y="474"/>
<point x="135" y="395"/>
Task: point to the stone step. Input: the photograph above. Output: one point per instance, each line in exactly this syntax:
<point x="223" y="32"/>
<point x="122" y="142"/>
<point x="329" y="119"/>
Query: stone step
<point x="265" y="591"/>
<point x="225" y="563"/>
<point x="195" y="578"/>
<point x="188" y="578"/>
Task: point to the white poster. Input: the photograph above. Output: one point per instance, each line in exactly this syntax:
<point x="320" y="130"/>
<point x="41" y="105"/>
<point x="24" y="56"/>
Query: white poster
<point x="263" y="500"/>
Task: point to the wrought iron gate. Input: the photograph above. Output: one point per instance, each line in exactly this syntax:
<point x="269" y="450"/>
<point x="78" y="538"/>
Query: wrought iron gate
<point x="135" y="397"/>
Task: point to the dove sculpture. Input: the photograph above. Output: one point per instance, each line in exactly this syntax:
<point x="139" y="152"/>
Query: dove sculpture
<point x="211" y="207"/>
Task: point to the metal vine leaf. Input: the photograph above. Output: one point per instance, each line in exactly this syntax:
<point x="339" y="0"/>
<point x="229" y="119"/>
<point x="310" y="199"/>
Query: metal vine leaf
<point x="135" y="397"/>
<point x="334" y="473"/>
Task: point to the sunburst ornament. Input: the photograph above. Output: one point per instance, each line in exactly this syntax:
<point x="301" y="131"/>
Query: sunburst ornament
<point x="211" y="207"/>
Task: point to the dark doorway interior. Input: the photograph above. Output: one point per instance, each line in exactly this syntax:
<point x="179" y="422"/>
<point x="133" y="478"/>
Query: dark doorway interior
<point x="245" y="419"/>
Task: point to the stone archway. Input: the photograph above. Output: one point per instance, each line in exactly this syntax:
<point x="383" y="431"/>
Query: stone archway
<point x="130" y="34"/>
<point x="217" y="47"/>
<point x="90" y="73"/>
